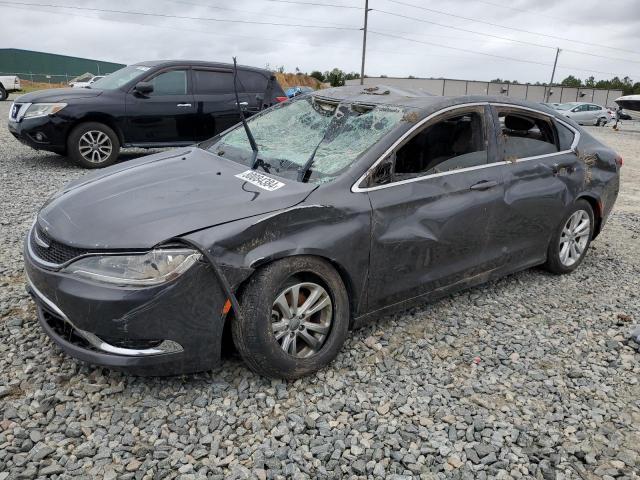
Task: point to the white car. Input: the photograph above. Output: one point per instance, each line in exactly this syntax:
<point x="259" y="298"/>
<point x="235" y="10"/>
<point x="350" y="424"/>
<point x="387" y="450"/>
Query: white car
<point x="585" y="113"/>
<point x="8" y="84"/>
<point x="87" y="83"/>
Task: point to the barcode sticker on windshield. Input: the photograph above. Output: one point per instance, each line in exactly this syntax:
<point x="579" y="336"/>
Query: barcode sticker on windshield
<point x="260" y="180"/>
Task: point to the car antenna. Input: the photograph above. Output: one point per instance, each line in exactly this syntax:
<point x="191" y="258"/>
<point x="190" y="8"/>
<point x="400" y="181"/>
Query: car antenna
<point x="252" y="141"/>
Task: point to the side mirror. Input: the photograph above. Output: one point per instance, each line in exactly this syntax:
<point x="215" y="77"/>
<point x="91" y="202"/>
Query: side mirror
<point x="143" y="88"/>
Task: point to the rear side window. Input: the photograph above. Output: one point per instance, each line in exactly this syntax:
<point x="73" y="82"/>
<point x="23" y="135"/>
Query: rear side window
<point x="455" y="142"/>
<point x="565" y="136"/>
<point x="253" y="82"/>
<point x="170" y="83"/>
<point x="211" y="82"/>
<point x="525" y="135"/>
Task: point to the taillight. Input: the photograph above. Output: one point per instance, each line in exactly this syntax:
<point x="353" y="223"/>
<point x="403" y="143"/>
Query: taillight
<point x="619" y="160"/>
<point x="282" y="99"/>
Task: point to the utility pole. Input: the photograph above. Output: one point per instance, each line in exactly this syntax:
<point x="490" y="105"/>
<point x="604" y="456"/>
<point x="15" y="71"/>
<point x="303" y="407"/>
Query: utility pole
<point x="553" y="73"/>
<point x="364" y="39"/>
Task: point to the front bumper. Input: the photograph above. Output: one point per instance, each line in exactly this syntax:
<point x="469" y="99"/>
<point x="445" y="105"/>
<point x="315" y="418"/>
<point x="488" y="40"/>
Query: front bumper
<point x="171" y="329"/>
<point x="42" y="133"/>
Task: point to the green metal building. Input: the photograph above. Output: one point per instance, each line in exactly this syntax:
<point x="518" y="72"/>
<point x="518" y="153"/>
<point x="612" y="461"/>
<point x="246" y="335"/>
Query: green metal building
<point x="50" y="67"/>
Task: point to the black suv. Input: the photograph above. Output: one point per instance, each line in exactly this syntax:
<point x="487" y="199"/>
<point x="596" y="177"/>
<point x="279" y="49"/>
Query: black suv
<point x="149" y="104"/>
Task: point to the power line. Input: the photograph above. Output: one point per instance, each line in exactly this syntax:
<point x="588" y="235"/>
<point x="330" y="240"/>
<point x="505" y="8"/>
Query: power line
<point x="499" y="37"/>
<point x="182" y="17"/>
<point x="399" y="2"/>
<point x="567" y="67"/>
<point x="333" y="5"/>
<point x="250" y="12"/>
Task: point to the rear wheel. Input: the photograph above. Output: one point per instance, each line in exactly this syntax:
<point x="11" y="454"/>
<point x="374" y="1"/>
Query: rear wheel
<point x="93" y="145"/>
<point x="570" y="243"/>
<point x="3" y="94"/>
<point x="295" y="318"/>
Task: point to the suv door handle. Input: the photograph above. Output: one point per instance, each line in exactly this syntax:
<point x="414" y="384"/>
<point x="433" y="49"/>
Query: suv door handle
<point x="183" y="105"/>
<point x="483" y="185"/>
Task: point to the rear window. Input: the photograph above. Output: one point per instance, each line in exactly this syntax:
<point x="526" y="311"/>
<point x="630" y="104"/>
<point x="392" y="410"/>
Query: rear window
<point x="525" y="135"/>
<point x="290" y="133"/>
<point x="211" y="82"/>
<point x="565" y="136"/>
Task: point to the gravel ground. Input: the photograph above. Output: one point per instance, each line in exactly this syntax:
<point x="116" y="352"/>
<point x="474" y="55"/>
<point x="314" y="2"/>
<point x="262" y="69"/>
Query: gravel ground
<point x="531" y="376"/>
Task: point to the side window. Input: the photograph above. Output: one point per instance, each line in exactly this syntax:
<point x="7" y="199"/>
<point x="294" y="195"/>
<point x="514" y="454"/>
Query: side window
<point x="565" y="136"/>
<point x="253" y="82"/>
<point x="457" y="141"/>
<point x="525" y="135"/>
<point x="210" y="82"/>
<point x="173" y="82"/>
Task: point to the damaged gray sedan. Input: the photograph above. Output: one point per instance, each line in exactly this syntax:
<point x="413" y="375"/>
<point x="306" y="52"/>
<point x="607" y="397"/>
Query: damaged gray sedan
<point x="382" y="199"/>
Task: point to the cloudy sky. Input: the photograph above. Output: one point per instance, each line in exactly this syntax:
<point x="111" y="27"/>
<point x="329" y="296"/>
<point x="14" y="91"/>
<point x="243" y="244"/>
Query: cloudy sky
<point x="407" y="37"/>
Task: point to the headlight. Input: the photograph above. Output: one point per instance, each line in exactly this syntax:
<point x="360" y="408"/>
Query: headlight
<point x="43" y="109"/>
<point x="151" y="268"/>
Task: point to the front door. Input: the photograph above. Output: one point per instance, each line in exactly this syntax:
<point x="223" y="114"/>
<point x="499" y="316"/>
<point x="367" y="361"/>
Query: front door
<point x="437" y="209"/>
<point x="165" y="116"/>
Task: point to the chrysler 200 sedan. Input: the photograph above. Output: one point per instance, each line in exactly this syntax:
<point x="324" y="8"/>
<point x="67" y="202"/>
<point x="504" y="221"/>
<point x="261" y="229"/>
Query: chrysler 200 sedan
<point x="384" y="198"/>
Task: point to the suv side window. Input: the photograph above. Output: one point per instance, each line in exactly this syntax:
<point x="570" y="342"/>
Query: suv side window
<point x="173" y="82"/>
<point x="524" y="134"/>
<point x="253" y="82"/>
<point x="456" y="141"/>
<point x="211" y="82"/>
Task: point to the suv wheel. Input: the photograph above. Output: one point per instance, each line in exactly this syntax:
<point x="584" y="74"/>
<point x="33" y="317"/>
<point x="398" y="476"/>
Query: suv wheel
<point x="93" y="145"/>
<point x="570" y="242"/>
<point x="295" y="318"/>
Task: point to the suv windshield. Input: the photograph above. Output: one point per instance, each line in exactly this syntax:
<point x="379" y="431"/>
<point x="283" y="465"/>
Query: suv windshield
<point x="120" y="77"/>
<point x="288" y="134"/>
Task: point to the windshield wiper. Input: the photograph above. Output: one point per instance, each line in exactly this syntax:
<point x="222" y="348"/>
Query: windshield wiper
<point x="339" y="117"/>
<point x="255" y="161"/>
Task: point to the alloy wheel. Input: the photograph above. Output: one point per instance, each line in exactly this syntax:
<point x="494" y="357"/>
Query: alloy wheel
<point x="301" y="318"/>
<point x="95" y="146"/>
<point x="574" y="237"/>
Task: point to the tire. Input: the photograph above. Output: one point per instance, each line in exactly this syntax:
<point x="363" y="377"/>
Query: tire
<point x="93" y="145"/>
<point x="264" y="327"/>
<point x="601" y="122"/>
<point x="561" y="258"/>
<point x="3" y="94"/>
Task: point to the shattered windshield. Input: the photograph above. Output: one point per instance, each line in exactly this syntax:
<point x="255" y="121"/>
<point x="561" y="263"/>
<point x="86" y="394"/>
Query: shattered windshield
<point x="288" y="135"/>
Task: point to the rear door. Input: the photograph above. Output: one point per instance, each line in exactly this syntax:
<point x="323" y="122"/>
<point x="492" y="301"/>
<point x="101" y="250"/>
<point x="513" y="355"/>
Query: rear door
<point x="437" y="203"/>
<point x="166" y="116"/>
<point x="541" y="178"/>
<point x="215" y="100"/>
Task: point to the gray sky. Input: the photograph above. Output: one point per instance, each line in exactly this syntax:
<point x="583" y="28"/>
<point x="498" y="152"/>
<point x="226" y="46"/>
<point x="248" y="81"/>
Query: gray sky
<point x="131" y="38"/>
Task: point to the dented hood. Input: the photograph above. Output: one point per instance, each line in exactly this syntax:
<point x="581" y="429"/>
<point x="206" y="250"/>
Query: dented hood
<point x="141" y="203"/>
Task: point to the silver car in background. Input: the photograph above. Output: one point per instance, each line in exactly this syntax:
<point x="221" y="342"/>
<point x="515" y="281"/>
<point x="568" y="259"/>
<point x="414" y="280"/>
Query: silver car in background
<point x="585" y="113"/>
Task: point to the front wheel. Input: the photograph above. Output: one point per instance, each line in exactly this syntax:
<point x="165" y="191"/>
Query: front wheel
<point x="295" y="318"/>
<point x="602" y="122"/>
<point x="570" y="242"/>
<point x="93" y="145"/>
<point x="3" y="94"/>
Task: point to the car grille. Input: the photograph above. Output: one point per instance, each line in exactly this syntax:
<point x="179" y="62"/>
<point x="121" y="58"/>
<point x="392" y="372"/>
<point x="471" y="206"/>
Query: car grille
<point x="56" y="253"/>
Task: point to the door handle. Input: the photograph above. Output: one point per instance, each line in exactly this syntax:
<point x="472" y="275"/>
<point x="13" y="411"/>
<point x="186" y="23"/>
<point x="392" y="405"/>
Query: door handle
<point x="183" y="105"/>
<point x="483" y="185"/>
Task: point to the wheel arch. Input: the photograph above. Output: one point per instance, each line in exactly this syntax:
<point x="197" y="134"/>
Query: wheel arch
<point x="596" y="206"/>
<point x="352" y="292"/>
<point x="98" y="117"/>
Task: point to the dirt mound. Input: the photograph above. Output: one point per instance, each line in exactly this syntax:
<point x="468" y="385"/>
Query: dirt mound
<point x="287" y="80"/>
